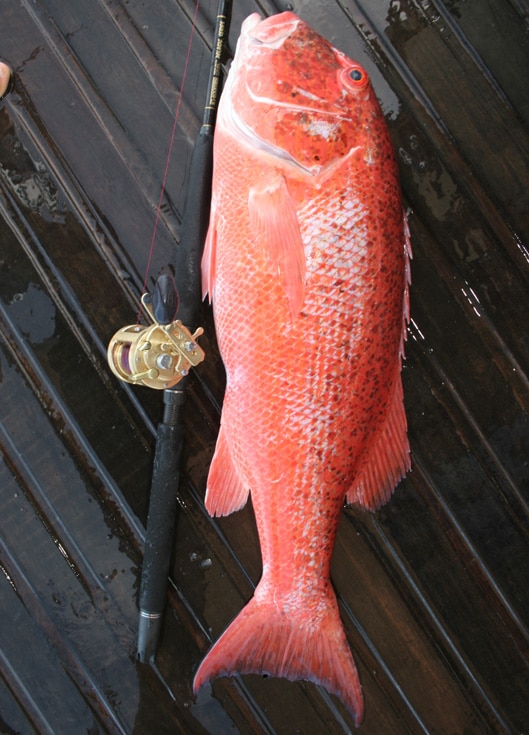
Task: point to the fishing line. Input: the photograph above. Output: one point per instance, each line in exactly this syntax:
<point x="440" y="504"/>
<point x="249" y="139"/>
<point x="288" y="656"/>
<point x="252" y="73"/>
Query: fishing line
<point x="169" y="153"/>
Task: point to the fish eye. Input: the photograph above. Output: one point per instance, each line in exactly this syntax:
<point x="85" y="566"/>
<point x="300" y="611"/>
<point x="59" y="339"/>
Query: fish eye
<point x="356" y="77"/>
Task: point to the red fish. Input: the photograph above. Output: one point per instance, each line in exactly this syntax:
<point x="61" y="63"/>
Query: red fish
<point x="307" y="265"/>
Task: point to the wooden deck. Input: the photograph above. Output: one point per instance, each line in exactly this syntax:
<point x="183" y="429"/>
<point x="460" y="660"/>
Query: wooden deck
<point x="434" y="589"/>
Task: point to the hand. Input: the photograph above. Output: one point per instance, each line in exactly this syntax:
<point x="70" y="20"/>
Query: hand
<point x="6" y="80"/>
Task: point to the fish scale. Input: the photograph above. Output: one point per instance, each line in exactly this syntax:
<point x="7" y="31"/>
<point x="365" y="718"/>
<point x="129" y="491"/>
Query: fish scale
<point x="306" y="263"/>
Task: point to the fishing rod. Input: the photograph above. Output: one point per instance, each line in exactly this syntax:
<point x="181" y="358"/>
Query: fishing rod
<point x="160" y="356"/>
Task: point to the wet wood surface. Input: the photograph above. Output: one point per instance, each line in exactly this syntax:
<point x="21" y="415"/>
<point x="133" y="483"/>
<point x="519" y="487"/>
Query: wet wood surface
<point x="433" y="588"/>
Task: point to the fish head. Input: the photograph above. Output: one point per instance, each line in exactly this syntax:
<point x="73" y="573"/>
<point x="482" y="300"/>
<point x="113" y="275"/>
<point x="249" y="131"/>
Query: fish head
<point x="293" y="95"/>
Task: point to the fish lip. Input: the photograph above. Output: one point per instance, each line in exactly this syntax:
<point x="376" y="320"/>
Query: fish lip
<point x="271" y="31"/>
<point x="250" y="22"/>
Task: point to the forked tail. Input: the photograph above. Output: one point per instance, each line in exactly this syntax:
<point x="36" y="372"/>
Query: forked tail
<point x="280" y="641"/>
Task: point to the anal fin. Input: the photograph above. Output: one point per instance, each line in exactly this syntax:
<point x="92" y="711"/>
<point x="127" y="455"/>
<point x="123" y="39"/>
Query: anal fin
<point x="226" y="490"/>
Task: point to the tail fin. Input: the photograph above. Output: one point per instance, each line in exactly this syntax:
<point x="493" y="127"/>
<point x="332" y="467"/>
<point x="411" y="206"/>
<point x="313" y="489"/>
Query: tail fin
<point x="266" y="639"/>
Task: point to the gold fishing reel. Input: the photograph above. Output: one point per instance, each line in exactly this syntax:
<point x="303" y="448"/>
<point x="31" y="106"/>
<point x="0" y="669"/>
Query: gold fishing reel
<point x="158" y="356"/>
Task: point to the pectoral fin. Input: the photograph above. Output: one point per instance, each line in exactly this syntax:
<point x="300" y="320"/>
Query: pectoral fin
<point x="275" y="225"/>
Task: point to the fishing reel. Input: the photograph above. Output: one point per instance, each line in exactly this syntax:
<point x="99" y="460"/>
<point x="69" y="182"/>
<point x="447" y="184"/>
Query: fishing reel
<point x="160" y="355"/>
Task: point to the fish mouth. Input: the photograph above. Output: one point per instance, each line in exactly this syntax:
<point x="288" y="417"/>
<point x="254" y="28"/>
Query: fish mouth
<point x="271" y="31"/>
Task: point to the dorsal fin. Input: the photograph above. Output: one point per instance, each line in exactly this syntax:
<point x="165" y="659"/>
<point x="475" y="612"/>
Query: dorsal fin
<point x="209" y="255"/>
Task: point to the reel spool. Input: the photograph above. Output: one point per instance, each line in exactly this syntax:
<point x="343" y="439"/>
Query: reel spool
<point x="156" y="356"/>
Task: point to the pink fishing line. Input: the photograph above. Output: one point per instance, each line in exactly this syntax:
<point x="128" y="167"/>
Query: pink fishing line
<point x="169" y="153"/>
